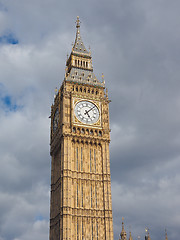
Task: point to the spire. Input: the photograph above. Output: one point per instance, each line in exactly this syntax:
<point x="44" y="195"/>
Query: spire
<point x="78" y="22"/>
<point x="79" y="66"/>
<point x="166" y="235"/>
<point x="130" y="236"/>
<point x="78" y="46"/>
<point x="147" y="237"/>
<point x="123" y="232"/>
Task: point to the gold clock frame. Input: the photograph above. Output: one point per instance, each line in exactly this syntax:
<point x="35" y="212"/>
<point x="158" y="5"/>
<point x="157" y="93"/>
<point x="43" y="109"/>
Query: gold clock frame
<point x="79" y="123"/>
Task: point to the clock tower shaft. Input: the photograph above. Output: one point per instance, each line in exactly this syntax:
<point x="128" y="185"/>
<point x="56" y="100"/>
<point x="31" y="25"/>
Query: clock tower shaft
<point x="81" y="206"/>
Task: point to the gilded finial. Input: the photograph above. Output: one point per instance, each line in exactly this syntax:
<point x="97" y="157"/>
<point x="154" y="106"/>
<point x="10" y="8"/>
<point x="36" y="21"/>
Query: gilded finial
<point x="78" y="22"/>
<point x="123" y="232"/>
<point x="147" y="236"/>
<point x="102" y="76"/>
<point x="56" y="90"/>
<point x="130" y="236"/>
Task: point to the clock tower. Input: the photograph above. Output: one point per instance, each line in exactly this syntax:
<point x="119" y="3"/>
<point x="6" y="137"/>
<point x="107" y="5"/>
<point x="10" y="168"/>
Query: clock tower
<point x="81" y="207"/>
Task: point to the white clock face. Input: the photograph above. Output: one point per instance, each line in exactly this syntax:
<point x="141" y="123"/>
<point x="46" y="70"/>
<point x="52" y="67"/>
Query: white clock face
<point x="86" y="112"/>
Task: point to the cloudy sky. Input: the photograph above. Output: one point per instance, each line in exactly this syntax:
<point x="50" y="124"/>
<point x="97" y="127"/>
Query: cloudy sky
<point x="135" y="43"/>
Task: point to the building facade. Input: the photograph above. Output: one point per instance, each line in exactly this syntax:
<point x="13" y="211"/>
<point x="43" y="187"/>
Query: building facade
<point x="81" y="206"/>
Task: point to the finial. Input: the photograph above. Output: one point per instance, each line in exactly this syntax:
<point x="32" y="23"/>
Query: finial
<point x="55" y="92"/>
<point x="102" y="77"/>
<point x="130" y="236"/>
<point x="123" y="232"/>
<point x="89" y="49"/>
<point x="166" y="234"/>
<point x="147" y="237"/>
<point x="78" y="22"/>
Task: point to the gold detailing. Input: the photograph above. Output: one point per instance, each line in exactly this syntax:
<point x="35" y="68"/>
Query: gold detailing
<point x="78" y="22"/>
<point x="75" y="119"/>
<point x="147" y="236"/>
<point x="102" y="76"/>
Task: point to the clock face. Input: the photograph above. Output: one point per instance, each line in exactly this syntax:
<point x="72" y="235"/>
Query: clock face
<point x="86" y="112"/>
<point x="55" y="120"/>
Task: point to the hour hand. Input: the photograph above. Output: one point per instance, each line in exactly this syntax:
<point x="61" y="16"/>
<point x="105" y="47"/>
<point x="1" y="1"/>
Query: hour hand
<point x="86" y="112"/>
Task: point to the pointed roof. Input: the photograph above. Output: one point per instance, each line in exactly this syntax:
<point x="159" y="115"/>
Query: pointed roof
<point x="79" y="67"/>
<point x="123" y="232"/>
<point x="78" y="46"/>
<point x="130" y="236"/>
<point x="166" y="234"/>
<point x="147" y="237"/>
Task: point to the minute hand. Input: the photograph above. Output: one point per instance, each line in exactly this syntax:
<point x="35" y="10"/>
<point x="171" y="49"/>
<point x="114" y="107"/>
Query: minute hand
<point x="89" y="110"/>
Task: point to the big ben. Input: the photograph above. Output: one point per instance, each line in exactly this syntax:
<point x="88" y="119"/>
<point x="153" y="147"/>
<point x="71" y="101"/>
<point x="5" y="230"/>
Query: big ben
<point x="81" y="206"/>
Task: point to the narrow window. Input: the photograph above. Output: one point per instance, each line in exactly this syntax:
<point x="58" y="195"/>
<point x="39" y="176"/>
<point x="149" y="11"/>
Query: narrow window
<point x="97" y="231"/>
<point x="91" y="196"/>
<point x="77" y="230"/>
<point x="82" y="231"/>
<point x="90" y="160"/>
<point x="77" y="194"/>
<point x="95" y="160"/>
<point x="76" y="62"/>
<point x="77" y="158"/>
<point x="81" y="159"/>
<point x="96" y="195"/>
<point x="82" y="194"/>
<point x="92" y="230"/>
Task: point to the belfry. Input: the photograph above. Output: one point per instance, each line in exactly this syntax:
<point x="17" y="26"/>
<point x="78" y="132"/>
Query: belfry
<point x="81" y="206"/>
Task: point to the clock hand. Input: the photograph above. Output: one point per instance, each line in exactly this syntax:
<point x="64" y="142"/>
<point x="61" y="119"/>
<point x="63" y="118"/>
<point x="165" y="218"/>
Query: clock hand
<point x="86" y="112"/>
<point x="89" y="110"/>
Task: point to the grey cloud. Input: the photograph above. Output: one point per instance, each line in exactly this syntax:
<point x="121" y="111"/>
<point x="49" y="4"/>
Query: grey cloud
<point x="136" y="45"/>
